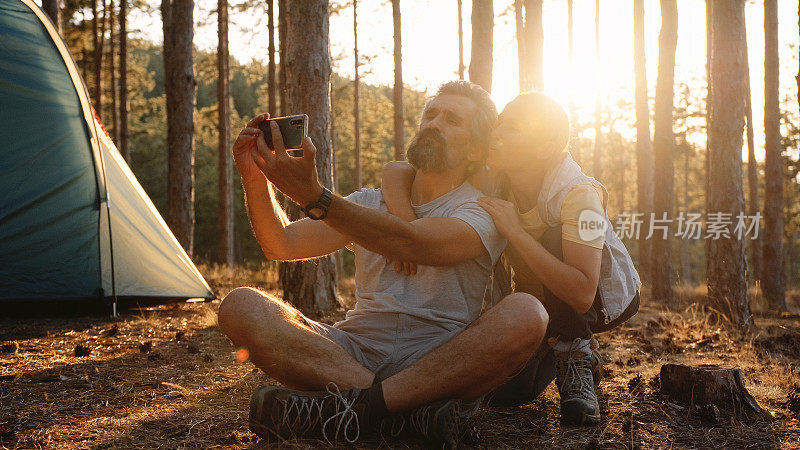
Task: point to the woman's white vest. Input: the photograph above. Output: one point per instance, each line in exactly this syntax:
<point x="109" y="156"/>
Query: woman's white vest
<point x="619" y="281"/>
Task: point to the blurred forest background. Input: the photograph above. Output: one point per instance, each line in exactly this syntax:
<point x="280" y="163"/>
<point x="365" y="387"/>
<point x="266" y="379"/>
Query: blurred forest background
<point x="363" y="118"/>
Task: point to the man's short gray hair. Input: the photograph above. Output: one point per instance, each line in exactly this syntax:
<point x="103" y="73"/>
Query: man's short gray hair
<point x="485" y="115"/>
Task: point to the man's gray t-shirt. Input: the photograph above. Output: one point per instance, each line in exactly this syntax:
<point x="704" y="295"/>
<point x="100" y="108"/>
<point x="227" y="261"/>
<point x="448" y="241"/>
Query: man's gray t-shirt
<point x="447" y="297"/>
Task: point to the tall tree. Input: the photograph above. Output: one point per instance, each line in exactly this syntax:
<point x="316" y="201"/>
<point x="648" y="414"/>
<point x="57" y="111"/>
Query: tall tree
<point x="598" y="135"/>
<point x="725" y="259"/>
<point x="123" y="80"/>
<point x="519" y="21"/>
<point x="356" y="105"/>
<point x="480" y="63"/>
<point x="225" y="164"/>
<point x="399" y="118"/>
<point x="98" y="39"/>
<point x="534" y="36"/>
<point x="530" y="44"/>
<point x="112" y="69"/>
<point x="461" y="42"/>
<point x="772" y="277"/>
<point x="310" y="285"/>
<point x="53" y="11"/>
<point x="282" y="7"/>
<point x="573" y="114"/>
<point x="644" y="150"/>
<point x="177" y="17"/>
<point x="663" y="152"/>
<point x="752" y="169"/>
<point x="271" y="81"/>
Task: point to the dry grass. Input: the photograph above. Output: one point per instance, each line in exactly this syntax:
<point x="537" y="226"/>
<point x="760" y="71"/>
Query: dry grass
<point x="166" y="377"/>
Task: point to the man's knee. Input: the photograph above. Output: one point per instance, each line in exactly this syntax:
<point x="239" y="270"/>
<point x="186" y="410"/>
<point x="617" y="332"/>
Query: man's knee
<point x="238" y="307"/>
<point x="525" y="318"/>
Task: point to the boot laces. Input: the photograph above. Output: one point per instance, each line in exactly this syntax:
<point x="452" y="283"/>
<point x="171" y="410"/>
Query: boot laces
<point x="303" y="414"/>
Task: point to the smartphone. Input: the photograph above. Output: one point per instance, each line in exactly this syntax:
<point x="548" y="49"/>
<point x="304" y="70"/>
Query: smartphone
<point x="293" y="129"/>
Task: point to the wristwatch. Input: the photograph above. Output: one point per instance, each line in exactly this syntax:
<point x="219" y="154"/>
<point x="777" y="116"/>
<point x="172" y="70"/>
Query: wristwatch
<point x="318" y="210"/>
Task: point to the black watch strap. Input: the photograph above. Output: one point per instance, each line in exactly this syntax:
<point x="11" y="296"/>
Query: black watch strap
<point x="318" y="210"/>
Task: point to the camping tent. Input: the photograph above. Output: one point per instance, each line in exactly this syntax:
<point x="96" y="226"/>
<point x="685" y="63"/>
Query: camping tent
<point x="74" y="221"/>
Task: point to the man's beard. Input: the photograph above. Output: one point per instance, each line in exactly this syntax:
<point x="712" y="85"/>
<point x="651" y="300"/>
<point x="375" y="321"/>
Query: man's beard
<point x="428" y="151"/>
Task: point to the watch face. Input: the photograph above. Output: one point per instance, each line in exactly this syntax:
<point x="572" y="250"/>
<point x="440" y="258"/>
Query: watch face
<point x="315" y="213"/>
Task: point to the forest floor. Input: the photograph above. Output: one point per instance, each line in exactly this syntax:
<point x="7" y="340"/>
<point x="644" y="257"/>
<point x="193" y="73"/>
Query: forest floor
<point x="166" y="377"/>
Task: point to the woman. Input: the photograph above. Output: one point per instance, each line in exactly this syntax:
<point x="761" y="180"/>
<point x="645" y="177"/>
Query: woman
<point x="561" y="246"/>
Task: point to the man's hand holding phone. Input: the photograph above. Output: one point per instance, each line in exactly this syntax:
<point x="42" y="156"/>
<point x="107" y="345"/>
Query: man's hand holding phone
<point x="245" y="152"/>
<point x="295" y="176"/>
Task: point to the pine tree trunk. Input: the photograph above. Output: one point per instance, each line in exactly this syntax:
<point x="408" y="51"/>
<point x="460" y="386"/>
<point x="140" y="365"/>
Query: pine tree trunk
<point x="725" y="256"/>
<point x="54" y="12"/>
<point x="519" y="21"/>
<point x="356" y="106"/>
<point x="460" y="41"/>
<point x="112" y="69"/>
<point x="225" y="164"/>
<point x="663" y="152"/>
<point x="282" y="7"/>
<point x="772" y="277"/>
<point x="271" y="87"/>
<point x="310" y="285"/>
<point x="709" y="87"/>
<point x="573" y="114"/>
<point x="480" y="64"/>
<point x="754" y="271"/>
<point x="98" y="39"/>
<point x="597" y="171"/>
<point x="644" y="149"/>
<point x="534" y="45"/>
<point x="179" y="86"/>
<point x="123" y="80"/>
<point x="399" y="114"/>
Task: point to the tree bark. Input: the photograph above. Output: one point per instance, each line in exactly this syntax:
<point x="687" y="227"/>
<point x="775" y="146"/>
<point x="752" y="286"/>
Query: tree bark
<point x="123" y="81"/>
<point x="754" y="271"/>
<point x="179" y="86"/>
<point x="356" y="106"/>
<point x="710" y="385"/>
<point x="113" y="72"/>
<point x="644" y="149"/>
<point x="663" y="152"/>
<point x="271" y="87"/>
<point x="519" y="21"/>
<point x="53" y="11"/>
<point x="597" y="171"/>
<point x="573" y="114"/>
<point x="534" y="45"/>
<point x="225" y="165"/>
<point x="725" y="256"/>
<point x="399" y="114"/>
<point x="772" y="277"/>
<point x="480" y="64"/>
<point x="310" y="285"/>
<point x="461" y="43"/>
<point x="98" y="39"/>
<point x="282" y="6"/>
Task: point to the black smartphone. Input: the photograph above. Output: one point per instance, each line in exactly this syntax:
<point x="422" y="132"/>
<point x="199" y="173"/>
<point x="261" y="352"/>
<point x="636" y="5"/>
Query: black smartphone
<point x="293" y="129"/>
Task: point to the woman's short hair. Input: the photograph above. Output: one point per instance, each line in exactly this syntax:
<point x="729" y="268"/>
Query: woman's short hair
<point x="545" y="116"/>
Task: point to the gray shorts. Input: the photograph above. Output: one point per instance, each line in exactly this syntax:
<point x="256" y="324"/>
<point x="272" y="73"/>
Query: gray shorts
<point x="385" y="343"/>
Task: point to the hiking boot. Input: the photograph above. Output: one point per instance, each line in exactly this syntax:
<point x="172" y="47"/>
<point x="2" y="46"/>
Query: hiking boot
<point x="442" y="422"/>
<point x="332" y="415"/>
<point x="575" y="383"/>
<point x="597" y="368"/>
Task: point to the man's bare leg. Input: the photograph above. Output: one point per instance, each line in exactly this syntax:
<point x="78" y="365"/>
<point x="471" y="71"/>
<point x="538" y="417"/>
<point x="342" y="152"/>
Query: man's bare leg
<point x="476" y="360"/>
<point x="284" y="347"/>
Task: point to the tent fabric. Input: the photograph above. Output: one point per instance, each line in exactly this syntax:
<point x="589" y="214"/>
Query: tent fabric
<point x="74" y="221"/>
<point x="48" y="198"/>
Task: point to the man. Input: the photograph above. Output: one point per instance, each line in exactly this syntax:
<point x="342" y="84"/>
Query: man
<point x="406" y="347"/>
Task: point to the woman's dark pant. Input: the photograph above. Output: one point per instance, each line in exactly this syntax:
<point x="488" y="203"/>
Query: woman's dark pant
<point x="565" y="323"/>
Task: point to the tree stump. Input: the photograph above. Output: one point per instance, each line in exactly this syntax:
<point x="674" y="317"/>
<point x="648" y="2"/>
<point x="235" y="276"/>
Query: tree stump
<point x="709" y="385"/>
